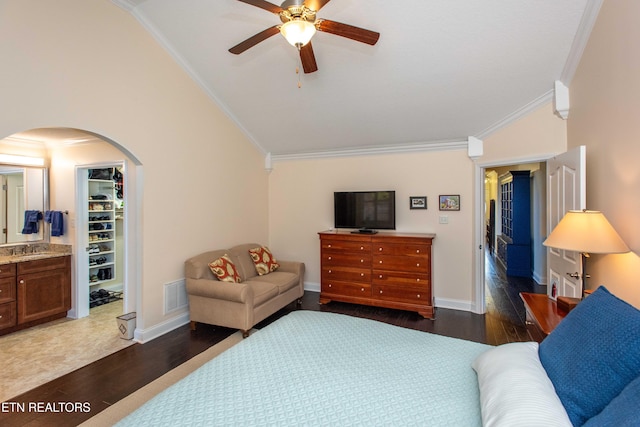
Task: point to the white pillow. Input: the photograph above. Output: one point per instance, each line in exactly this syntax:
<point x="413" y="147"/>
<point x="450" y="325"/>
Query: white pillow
<point x="515" y="389"/>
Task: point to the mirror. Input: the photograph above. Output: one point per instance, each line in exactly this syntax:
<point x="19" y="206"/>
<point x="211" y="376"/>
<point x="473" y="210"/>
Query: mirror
<point x="23" y="189"/>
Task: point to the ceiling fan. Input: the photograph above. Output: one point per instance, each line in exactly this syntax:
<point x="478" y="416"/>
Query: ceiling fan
<point x="299" y="24"/>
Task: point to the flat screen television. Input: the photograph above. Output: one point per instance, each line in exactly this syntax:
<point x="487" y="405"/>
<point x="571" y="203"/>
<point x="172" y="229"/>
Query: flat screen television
<point x="366" y="211"/>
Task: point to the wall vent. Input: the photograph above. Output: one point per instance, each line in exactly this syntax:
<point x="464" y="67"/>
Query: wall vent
<point x="175" y="296"/>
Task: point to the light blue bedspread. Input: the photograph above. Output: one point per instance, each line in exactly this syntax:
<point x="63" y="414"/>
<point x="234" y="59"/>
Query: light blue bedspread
<point x="314" y="368"/>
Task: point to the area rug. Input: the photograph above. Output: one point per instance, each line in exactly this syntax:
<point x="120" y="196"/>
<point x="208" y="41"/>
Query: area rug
<point x="35" y="356"/>
<point x="122" y="408"/>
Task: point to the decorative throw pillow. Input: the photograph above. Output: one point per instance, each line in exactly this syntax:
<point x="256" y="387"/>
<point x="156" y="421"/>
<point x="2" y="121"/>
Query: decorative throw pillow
<point x="593" y="354"/>
<point x="224" y="269"/>
<point x="622" y="411"/>
<point x="264" y="260"/>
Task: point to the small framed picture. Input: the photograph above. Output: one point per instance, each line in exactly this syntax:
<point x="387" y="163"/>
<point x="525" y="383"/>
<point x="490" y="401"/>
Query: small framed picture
<point x="450" y="202"/>
<point x="418" y="202"/>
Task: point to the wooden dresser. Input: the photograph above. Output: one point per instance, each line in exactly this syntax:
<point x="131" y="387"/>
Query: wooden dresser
<point x="385" y="269"/>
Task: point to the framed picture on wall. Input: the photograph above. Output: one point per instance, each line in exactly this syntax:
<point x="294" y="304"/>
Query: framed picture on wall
<point x="418" y="202"/>
<point x="449" y="202"/>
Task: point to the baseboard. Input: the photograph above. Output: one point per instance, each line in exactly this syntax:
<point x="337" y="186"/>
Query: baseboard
<point x="454" y="304"/>
<point x="145" y="335"/>
<point x="540" y="280"/>
<point x="312" y="286"/>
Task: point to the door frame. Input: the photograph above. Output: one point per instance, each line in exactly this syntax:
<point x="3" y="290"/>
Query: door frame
<point x="130" y="226"/>
<point x="479" y="305"/>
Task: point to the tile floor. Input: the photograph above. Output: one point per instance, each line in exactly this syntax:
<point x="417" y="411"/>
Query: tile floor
<point x="40" y="354"/>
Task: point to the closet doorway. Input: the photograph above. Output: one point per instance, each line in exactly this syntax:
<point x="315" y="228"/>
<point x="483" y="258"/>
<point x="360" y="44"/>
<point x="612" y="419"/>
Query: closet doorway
<point x="100" y="265"/>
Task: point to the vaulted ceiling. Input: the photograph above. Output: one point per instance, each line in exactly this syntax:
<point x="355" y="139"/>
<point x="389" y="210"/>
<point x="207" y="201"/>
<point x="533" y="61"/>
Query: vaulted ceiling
<point x="442" y="70"/>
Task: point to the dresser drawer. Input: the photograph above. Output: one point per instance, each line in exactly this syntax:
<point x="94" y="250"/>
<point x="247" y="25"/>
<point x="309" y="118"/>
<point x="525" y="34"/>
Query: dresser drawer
<point x="404" y="249"/>
<point x="7" y="289"/>
<point x="346" y="259"/>
<point x="406" y="294"/>
<point x="7" y="315"/>
<point x="349" y="289"/>
<point x="347" y="274"/>
<point x="7" y="270"/>
<point x="401" y="263"/>
<point x="382" y="277"/>
<point x="343" y="246"/>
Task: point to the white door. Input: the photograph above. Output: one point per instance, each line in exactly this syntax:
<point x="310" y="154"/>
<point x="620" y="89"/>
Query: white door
<point x="566" y="190"/>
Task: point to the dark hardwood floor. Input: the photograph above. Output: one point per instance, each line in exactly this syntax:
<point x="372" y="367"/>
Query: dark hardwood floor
<point x="112" y="378"/>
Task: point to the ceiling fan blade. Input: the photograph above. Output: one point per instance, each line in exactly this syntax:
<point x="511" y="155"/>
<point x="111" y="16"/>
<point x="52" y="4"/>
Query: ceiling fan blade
<point x="254" y="40"/>
<point x="263" y="5"/>
<point x="308" y="59"/>
<point x="316" y="4"/>
<point x="348" y="31"/>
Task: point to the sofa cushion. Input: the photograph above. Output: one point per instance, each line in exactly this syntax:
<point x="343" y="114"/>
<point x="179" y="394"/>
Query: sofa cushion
<point x="593" y="354"/>
<point x="240" y="256"/>
<point x="262" y="291"/>
<point x="263" y="260"/>
<point x="283" y="280"/>
<point x="224" y="269"/>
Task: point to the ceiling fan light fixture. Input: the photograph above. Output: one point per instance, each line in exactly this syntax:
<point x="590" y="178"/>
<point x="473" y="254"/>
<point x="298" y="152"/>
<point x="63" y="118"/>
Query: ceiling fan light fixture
<point x="298" y="32"/>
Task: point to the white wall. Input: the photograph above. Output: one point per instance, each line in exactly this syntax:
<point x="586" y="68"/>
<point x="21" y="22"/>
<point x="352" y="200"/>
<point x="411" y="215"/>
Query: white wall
<point x="301" y="205"/>
<point x="605" y="108"/>
<point x="90" y="65"/>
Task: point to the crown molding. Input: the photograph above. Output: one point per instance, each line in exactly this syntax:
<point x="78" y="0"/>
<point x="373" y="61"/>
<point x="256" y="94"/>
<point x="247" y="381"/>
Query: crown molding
<point x="128" y="5"/>
<point x="518" y="114"/>
<point x="580" y="40"/>
<point x="370" y="151"/>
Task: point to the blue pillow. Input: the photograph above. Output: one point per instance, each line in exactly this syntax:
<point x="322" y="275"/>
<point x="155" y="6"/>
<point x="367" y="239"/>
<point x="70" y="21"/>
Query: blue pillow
<point x="623" y="411"/>
<point x="593" y="354"/>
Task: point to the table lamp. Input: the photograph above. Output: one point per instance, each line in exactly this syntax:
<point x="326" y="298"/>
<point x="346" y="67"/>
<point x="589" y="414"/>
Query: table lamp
<point x="587" y="232"/>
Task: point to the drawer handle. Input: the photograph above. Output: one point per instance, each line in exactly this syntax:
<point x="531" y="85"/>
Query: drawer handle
<point x="380" y="249"/>
<point x="361" y="248"/>
<point x="361" y="260"/>
<point x="0" y="316"/>
<point x="328" y="246"/>
<point x="418" y="279"/>
<point x="418" y="295"/>
<point x="329" y="258"/>
<point x="329" y="271"/>
<point x="21" y="281"/>
<point x="380" y="262"/>
<point x="417" y="264"/>
<point x="380" y="290"/>
<point x="417" y="251"/>
<point x="380" y="276"/>
<point x="329" y="284"/>
<point x="362" y="289"/>
<point x="361" y="274"/>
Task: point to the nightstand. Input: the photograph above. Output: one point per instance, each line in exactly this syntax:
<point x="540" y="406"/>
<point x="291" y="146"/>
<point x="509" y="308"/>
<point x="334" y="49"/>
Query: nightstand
<point x="543" y="314"/>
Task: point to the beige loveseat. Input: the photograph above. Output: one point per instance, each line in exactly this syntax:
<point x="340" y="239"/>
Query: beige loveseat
<point x="239" y="305"/>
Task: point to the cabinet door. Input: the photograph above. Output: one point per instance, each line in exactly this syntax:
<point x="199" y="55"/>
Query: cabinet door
<point x="43" y="294"/>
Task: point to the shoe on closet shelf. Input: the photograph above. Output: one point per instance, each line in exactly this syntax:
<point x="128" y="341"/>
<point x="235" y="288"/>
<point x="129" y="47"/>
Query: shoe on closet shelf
<point x="93" y="278"/>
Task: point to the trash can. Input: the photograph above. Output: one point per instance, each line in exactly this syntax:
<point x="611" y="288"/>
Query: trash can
<point x="126" y="325"/>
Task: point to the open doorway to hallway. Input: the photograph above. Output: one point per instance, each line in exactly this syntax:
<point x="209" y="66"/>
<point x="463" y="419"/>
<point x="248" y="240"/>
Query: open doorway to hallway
<point x="515" y="224"/>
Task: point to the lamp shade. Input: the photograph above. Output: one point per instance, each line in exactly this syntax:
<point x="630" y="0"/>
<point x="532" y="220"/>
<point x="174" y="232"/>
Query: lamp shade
<point x="586" y="231"/>
<point x="298" y="32"/>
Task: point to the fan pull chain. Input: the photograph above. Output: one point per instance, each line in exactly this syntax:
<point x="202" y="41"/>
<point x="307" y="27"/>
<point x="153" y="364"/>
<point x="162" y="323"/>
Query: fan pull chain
<point x="298" y="72"/>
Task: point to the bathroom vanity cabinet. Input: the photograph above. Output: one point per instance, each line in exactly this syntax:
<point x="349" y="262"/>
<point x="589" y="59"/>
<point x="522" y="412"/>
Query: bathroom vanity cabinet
<point x="33" y="290"/>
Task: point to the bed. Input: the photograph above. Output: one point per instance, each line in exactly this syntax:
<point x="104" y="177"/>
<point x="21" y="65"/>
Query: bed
<point x="316" y="368"/>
